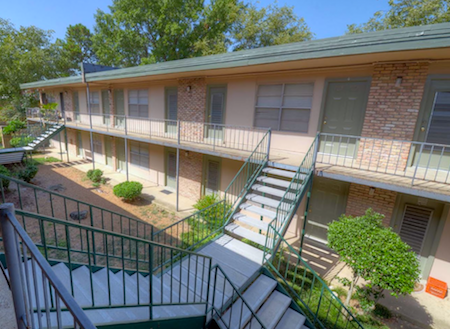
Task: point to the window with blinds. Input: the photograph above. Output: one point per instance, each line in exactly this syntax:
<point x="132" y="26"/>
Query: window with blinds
<point x="97" y="142"/>
<point x="284" y="107"/>
<point x="414" y="226"/>
<point x="76" y="102"/>
<point x="138" y="103"/>
<point x="139" y="155"/>
<point x="438" y="132"/>
<point x="94" y="101"/>
<point x="212" y="182"/>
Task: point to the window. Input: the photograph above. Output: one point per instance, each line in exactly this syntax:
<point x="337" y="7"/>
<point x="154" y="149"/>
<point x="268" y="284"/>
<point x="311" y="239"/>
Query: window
<point x="138" y="103"/>
<point x="94" y="100"/>
<point x="139" y="154"/>
<point x="284" y="107"/>
<point x="76" y="103"/>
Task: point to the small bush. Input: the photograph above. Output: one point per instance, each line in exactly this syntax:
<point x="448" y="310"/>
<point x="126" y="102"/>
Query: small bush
<point x="20" y="141"/>
<point x="4" y="171"/>
<point x="128" y="190"/>
<point x="206" y="201"/>
<point x="95" y="175"/>
<point x="14" y="126"/>
<point x="27" y="171"/>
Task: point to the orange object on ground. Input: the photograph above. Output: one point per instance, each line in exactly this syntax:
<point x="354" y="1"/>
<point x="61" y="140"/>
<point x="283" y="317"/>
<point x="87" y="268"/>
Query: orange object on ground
<point x="436" y="287"/>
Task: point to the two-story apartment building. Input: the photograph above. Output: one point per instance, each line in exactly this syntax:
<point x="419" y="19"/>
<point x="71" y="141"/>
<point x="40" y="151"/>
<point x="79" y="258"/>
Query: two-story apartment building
<point x="380" y="102"/>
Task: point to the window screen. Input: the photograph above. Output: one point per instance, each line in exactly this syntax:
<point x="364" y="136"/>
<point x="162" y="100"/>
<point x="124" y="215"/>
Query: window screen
<point x="139" y="154"/>
<point x="138" y="103"/>
<point x="284" y="107"/>
<point x="94" y="100"/>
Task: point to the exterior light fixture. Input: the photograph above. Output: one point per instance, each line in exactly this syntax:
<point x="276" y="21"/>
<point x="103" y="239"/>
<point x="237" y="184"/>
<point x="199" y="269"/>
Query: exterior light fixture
<point x="188" y="89"/>
<point x="371" y="191"/>
<point x="398" y="82"/>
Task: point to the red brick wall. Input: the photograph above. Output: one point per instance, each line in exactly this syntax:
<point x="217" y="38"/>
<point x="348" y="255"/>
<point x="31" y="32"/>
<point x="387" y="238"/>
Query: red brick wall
<point x="392" y="113"/>
<point x="72" y="143"/>
<point x="192" y="108"/>
<point x="381" y="201"/>
<point x="191" y="169"/>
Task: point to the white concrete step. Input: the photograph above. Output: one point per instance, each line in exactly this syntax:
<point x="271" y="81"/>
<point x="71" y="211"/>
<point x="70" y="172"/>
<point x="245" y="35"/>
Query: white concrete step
<point x="278" y="182"/>
<point x="251" y="221"/>
<point x="272" y="311"/>
<point x="272" y="191"/>
<point x="291" y="320"/>
<point x="263" y="200"/>
<point x="238" y="315"/>
<point x="279" y="172"/>
<point x="258" y="210"/>
<point x="248" y="234"/>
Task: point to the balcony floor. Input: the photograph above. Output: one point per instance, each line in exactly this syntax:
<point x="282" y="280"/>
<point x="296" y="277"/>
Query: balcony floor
<point x="400" y="182"/>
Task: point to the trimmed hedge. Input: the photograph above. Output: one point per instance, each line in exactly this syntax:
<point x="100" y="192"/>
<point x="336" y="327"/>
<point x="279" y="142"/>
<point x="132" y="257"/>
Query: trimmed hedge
<point x="128" y="190"/>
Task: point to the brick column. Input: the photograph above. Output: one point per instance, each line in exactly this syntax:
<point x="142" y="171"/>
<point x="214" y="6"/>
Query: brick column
<point x="192" y="107"/>
<point x="392" y="111"/>
<point x="191" y="169"/>
<point x="360" y="199"/>
<point x="68" y="105"/>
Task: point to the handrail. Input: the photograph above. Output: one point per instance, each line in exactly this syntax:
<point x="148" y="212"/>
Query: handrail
<point x="99" y="248"/>
<point x="22" y="276"/>
<point x="229" y="302"/>
<point x="322" y="307"/>
<point x="98" y="216"/>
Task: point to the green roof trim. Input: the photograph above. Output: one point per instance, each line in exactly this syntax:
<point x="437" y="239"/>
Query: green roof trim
<point x="411" y="38"/>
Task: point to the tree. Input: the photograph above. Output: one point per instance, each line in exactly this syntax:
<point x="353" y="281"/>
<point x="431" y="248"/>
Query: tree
<point x="375" y="254"/>
<point x="268" y="26"/>
<point x="26" y="54"/>
<point x="404" y="13"/>
<point x="76" y="48"/>
<point x="141" y="31"/>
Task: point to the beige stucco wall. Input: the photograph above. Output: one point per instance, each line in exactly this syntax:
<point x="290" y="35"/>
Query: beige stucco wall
<point x="441" y="266"/>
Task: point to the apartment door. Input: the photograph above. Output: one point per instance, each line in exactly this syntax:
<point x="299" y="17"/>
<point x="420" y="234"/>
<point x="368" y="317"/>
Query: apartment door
<point x="171" y="169"/>
<point x="120" y="154"/>
<point x="328" y="202"/>
<point x="105" y="107"/>
<point x="108" y="151"/>
<point x="343" y="114"/>
<point x="434" y="123"/>
<point x="215" y="112"/>
<point x="119" y="108"/>
<point x="211" y="176"/>
<point x="80" y="152"/>
<point x="171" y="110"/>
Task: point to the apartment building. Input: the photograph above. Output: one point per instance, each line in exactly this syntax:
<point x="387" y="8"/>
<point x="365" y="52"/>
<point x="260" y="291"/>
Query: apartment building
<point x="378" y="104"/>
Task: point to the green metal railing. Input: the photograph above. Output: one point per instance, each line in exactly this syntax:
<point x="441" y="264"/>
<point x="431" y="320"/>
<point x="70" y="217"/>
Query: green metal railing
<point x="292" y="197"/>
<point x="194" y="230"/>
<point x="322" y="307"/>
<point x="81" y="245"/>
<point x="38" y="200"/>
<point x="246" y="176"/>
<point x="239" y="311"/>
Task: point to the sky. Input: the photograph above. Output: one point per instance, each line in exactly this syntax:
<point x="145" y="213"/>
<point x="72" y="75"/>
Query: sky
<point x="325" y="18"/>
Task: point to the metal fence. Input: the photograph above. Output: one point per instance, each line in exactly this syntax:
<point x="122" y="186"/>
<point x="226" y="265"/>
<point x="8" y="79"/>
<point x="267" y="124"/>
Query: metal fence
<point x="215" y="136"/>
<point x="410" y="159"/>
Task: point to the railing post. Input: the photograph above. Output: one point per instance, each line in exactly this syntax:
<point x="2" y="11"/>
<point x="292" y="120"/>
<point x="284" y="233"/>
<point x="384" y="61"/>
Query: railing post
<point x="214" y="138"/>
<point x="178" y="132"/>
<point x="269" y="140"/>
<point x="417" y="165"/>
<point x="13" y="261"/>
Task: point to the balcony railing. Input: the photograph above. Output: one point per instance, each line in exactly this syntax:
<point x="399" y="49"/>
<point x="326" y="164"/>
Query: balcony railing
<point x="216" y="136"/>
<point x="413" y="160"/>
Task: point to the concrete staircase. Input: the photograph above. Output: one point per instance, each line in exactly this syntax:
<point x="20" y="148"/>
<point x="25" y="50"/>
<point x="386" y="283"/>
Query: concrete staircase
<point x="180" y="286"/>
<point x="46" y="135"/>
<point x="259" y="209"/>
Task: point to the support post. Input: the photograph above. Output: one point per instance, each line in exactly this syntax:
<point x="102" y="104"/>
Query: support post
<point x="302" y="238"/>
<point x="90" y="124"/>
<point x="67" y="144"/>
<point x="13" y="261"/>
<point x="178" y="179"/>
<point x="60" y="146"/>
<point x="126" y="158"/>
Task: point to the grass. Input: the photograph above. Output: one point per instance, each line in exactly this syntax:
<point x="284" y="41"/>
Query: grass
<point x="43" y="160"/>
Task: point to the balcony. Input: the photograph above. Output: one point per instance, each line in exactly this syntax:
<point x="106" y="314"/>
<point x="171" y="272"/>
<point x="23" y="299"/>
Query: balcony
<point x="410" y="167"/>
<point x="223" y="140"/>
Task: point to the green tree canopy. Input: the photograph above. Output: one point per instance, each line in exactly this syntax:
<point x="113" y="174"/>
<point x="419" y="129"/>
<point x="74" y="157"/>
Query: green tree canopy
<point x="375" y="253"/>
<point x="404" y="13"/>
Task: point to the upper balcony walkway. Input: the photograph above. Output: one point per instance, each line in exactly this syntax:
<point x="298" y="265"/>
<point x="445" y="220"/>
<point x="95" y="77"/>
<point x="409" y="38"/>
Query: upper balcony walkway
<point x="410" y="167"/>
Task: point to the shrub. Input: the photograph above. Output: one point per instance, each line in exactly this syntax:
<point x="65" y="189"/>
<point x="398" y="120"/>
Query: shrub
<point x="206" y="201"/>
<point x="128" y="190"/>
<point x="27" y="171"/>
<point x="5" y="172"/>
<point x="375" y="254"/>
<point x="95" y="175"/>
<point x="14" y="126"/>
<point x="20" y="141"/>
